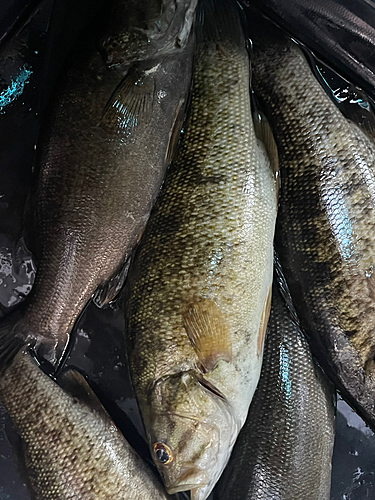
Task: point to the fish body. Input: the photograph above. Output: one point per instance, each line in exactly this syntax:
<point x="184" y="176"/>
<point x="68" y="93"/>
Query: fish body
<point x="284" y="450"/>
<point x="326" y="220"/>
<point x="101" y="162"/>
<point x="70" y="447"/>
<point x="199" y="286"/>
<point x="342" y="32"/>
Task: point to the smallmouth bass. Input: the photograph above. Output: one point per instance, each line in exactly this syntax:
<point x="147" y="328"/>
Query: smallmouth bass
<point x="70" y="447"/>
<point x="101" y="161"/>
<point x="284" y="450"/>
<point x="326" y="220"/>
<point x="198" y="293"/>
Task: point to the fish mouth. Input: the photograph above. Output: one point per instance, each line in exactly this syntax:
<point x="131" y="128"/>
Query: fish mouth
<point x="190" y="479"/>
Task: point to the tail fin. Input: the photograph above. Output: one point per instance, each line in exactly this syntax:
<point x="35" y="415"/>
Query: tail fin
<point x="10" y="344"/>
<point x="220" y="21"/>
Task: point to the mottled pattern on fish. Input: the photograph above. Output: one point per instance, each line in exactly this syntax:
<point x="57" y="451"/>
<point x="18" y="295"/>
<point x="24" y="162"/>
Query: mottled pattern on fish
<point x="102" y="160"/>
<point x="326" y="225"/>
<point x="284" y="450"/>
<point x="203" y="270"/>
<point x="71" y="451"/>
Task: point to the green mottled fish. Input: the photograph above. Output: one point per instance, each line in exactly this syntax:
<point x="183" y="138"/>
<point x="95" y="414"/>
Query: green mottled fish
<point x="284" y="450"/>
<point x="101" y="161"/>
<point x="326" y="225"/>
<point x="71" y="450"/>
<point x="199" y="287"/>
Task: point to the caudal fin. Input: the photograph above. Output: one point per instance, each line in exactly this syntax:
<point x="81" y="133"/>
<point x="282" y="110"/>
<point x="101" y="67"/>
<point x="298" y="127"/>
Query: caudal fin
<point x="10" y="343"/>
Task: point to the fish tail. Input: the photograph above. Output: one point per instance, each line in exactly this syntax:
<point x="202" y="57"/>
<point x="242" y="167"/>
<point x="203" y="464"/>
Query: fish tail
<point x="10" y="343"/>
<point x="220" y="21"/>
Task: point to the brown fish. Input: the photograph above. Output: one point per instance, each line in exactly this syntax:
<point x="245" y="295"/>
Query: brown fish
<point x="326" y="224"/>
<point x="101" y="161"/>
<point x="199" y="287"/>
<point x="70" y="447"/>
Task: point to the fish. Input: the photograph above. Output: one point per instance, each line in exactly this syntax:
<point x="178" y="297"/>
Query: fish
<point x="101" y="160"/>
<point x="324" y="233"/>
<point x="284" y="450"/>
<point x="70" y="448"/>
<point x="197" y="296"/>
<point x="341" y="32"/>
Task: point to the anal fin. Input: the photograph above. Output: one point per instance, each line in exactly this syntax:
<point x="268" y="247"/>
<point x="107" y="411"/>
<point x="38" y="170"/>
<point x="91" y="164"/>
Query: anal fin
<point x="107" y="292"/>
<point x="208" y="332"/>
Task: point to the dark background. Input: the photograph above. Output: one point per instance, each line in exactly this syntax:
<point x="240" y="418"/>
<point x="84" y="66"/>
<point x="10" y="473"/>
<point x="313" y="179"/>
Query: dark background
<point x="36" y="38"/>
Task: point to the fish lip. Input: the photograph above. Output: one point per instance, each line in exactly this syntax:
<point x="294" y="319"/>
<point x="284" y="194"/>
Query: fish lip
<point x="192" y="478"/>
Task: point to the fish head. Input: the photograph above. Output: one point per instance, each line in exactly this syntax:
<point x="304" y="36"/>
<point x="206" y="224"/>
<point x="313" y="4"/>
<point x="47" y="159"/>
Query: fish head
<point x="191" y="431"/>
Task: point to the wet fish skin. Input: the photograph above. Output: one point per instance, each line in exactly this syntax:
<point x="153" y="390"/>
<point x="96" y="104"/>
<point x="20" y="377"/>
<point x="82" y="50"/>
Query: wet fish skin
<point x="69" y="448"/>
<point x="101" y="163"/>
<point x="284" y="450"/>
<point x="195" y="325"/>
<point x="342" y="32"/>
<point x="326" y="220"/>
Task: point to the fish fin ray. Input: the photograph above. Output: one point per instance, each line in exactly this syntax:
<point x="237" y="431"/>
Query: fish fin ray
<point x="131" y="101"/>
<point x="264" y="321"/>
<point x="75" y="384"/>
<point x="108" y="291"/>
<point x="264" y="134"/>
<point x="208" y="333"/>
<point x="220" y="21"/>
<point x="175" y="132"/>
<point x="10" y="343"/>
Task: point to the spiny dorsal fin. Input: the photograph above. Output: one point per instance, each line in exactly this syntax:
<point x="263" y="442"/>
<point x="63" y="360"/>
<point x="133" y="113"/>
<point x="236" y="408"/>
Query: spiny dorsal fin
<point x="208" y="332"/>
<point x="75" y="384"/>
<point x="264" y="321"/>
<point x="131" y="102"/>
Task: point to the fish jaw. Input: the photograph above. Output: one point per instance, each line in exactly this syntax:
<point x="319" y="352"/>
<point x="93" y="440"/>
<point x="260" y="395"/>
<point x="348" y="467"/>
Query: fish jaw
<point x="198" y="429"/>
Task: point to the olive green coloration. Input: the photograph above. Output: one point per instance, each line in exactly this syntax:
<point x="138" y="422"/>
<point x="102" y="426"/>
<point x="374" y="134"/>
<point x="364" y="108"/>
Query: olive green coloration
<point x="71" y="450"/>
<point x="326" y="224"/>
<point x="199" y="286"/>
<point x="101" y="162"/>
<point x="284" y="450"/>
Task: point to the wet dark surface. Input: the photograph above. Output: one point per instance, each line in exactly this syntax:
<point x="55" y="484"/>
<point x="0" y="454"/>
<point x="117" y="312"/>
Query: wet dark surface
<point x="32" y="53"/>
<point x="342" y="32"/>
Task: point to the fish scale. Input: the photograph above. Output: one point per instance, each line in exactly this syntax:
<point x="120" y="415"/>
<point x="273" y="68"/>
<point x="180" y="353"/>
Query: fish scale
<point x="284" y="450"/>
<point x="326" y="218"/>
<point x="202" y="273"/>
<point x="70" y="449"/>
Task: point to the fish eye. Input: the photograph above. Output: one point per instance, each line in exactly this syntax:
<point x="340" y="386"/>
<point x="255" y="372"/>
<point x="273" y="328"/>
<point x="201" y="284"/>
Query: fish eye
<point x="162" y="453"/>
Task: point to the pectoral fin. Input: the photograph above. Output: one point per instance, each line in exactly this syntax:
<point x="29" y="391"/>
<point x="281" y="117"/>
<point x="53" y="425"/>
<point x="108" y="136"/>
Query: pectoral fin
<point x="208" y="333"/>
<point x="131" y="102"/>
